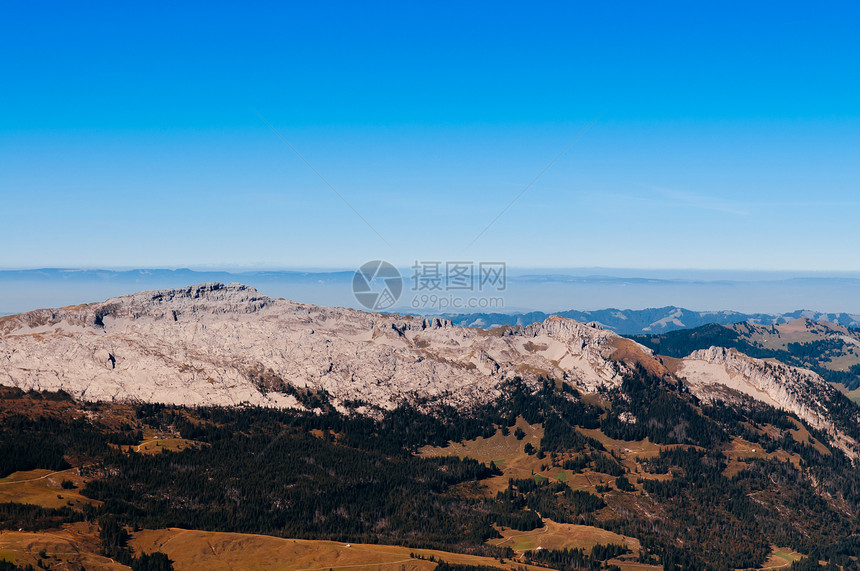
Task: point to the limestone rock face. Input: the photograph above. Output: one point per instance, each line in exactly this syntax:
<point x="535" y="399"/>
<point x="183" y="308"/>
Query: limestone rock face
<point x="801" y="391"/>
<point x="216" y="344"/>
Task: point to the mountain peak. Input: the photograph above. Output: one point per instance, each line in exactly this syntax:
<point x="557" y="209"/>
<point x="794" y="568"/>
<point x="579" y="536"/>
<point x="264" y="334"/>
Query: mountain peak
<point x="227" y="344"/>
<point x="212" y="298"/>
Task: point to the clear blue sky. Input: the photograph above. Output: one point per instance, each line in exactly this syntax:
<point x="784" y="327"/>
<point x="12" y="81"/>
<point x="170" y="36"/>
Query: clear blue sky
<point x="729" y="134"/>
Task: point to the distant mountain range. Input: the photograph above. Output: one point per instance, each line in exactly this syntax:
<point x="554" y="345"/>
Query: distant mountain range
<point x="654" y="320"/>
<point x="831" y="350"/>
<point x="761" y="297"/>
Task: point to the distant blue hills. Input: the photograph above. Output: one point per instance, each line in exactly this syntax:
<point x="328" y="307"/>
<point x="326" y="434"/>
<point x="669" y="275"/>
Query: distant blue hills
<point x="653" y="320"/>
<point x="761" y="297"/>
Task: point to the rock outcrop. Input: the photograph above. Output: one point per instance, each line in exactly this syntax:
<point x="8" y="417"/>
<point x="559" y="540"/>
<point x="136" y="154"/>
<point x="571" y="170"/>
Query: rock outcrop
<point x="709" y="372"/>
<point x="215" y="344"/>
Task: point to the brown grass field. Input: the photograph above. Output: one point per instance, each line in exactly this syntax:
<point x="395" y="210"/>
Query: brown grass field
<point x="632" y="448"/>
<point x="781" y="558"/>
<point x="561" y="536"/>
<point x="156" y="445"/>
<point x="508" y="454"/>
<point x="740" y="450"/>
<point x="506" y="451"/>
<point x="630" y="452"/>
<point x="42" y="488"/>
<point x="631" y="353"/>
<point x="802" y="435"/>
<point x="75" y="546"/>
<point x="215" y="551"/>
<point x="568" y="536"/>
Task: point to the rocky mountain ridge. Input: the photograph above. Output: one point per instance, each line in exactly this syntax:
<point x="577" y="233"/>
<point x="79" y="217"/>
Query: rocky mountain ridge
<point x="829" y="349"/>
<point x="709" y="372"/>
<point x="229" y="344"/>
<point x="216" y="344"/>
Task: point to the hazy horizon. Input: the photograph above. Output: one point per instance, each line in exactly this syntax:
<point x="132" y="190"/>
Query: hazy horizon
<point x="578" y="289"/>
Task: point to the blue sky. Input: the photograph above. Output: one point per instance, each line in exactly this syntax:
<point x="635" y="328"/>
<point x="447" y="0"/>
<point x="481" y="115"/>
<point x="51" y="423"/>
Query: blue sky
<point x="727" y="134"/>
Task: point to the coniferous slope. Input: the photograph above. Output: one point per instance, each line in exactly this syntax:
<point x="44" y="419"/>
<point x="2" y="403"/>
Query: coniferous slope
<point x="697" y="503"/>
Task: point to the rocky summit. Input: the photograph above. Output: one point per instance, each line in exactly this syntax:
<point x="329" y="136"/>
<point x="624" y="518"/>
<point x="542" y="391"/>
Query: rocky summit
<point x="215" y="344"/>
